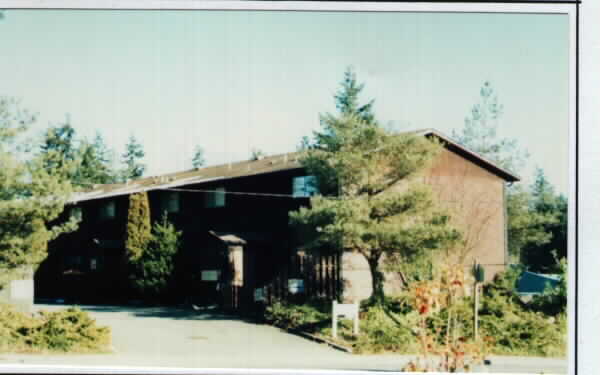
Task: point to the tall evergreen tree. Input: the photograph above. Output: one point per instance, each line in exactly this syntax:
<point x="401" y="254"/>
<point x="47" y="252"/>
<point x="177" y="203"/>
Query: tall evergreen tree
<point x="545" y="203"/>
<point x="526" y="225"/>
<point x="198" y="159"/>
<point x="138" y="225"/>
<point x="92" y="170"/>
<point x="59" y="151"/>
<point x="103" y="153"/>
<point x="134" y="152"/>
<point x="31" y="198"/>
<point x="346" y="99"/>
<point x="355" y="159"/>
<point x="480" y="132"/>
<point x="153" y="270"/>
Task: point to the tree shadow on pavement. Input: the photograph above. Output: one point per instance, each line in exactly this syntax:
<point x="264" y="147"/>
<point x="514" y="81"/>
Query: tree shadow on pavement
<point x="166" y="312"/>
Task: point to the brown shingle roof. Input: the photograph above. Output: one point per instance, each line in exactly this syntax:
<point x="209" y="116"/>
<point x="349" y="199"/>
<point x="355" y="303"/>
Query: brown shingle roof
<point x="254" y="167"/>
<point x="193" y="176"/>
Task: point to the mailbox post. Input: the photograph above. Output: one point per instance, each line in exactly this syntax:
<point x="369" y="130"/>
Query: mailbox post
<point x="479" y="275"/>
<point x="346" y="310"/>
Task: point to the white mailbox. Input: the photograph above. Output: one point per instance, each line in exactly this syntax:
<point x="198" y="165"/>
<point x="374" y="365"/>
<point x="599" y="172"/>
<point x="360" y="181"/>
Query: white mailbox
<point x="346" y="310"/>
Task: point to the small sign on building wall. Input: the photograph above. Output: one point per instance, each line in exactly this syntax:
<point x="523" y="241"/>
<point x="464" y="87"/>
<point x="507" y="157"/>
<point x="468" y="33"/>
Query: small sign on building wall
<point x="210" y="275"/>
<point x="259" y="295"/>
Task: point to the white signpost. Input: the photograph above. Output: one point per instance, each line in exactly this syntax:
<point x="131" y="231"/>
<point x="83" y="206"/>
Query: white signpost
<point x="346" y="310"/>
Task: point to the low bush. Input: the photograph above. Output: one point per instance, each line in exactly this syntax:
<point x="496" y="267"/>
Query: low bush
<point x="518" y="328"/>
<point x="305" y="317"/>
<point x="70" y="330"/>
<point x="507" y="325"/>
<point x="554" y="299"/>
<point x="381" y="331"/>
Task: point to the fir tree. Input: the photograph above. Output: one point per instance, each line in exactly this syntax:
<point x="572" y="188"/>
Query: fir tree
<point x="94" y="164"/>
<point x="541" y="256"/>
<point x="198" y="159"/>
<point x="480" y="132"/>
<point x="347" y="101"/>
<point x="134" y="152"/>
<point x="527" y="225"/>
<point x="59" y="151"/>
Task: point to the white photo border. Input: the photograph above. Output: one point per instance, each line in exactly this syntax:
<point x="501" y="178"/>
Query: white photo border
<point x="584" y="158"/>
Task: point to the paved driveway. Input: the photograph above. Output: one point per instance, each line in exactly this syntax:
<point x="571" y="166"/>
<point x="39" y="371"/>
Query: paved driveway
<point x="169" y="337"/>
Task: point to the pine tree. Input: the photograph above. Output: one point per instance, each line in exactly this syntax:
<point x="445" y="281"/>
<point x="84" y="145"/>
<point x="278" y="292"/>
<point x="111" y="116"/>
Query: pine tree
<point x="198" y="159"/>
<point x="134" y="152"/>
<point x="138" y="226"/>
<point x="357" y="161"/>
<point x="31" y="198"/>
<point x="59" y="151"/>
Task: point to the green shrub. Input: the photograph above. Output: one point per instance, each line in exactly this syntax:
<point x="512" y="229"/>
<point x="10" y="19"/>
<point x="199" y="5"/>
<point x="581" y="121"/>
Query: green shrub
<point x="289" y="316"/>
<point x="517" y="328"/>
<point x="382" y="331"/>
<point x="70" y="330"/>
<point x="152" y="271"/>
<point x="553" y="301"/>
<point x="507" y="324"/>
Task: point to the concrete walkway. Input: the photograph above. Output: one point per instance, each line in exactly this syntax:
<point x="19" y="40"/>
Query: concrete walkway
<point x="169" y="337"/>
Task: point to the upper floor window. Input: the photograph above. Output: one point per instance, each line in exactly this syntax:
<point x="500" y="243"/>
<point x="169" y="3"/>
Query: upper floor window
<point x="76" y="213"/>
<point x="215" y="198"/>
<point x="108" y="210"/>
<point x="305" y="186"/>
<point x="170" y="202"/>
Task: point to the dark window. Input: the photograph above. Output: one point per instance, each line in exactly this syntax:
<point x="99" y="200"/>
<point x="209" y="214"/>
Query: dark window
<point x="76" y="213"/>
<point x="215" y="198"/>
<point x="108" y="210"/>
<point x="169" y="202"/>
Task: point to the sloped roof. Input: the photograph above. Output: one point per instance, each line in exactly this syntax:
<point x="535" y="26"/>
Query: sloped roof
<point x="193" y="176"/>
<point x="471" y="155"/>
<point x="267" y="164"/>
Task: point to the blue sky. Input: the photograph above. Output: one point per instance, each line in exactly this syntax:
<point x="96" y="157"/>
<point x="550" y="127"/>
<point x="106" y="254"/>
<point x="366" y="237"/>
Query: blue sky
<point x="237" y="80"/>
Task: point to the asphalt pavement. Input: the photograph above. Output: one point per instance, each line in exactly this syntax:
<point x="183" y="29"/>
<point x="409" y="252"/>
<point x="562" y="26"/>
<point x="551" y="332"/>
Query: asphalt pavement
<point x="186" y="338"/>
